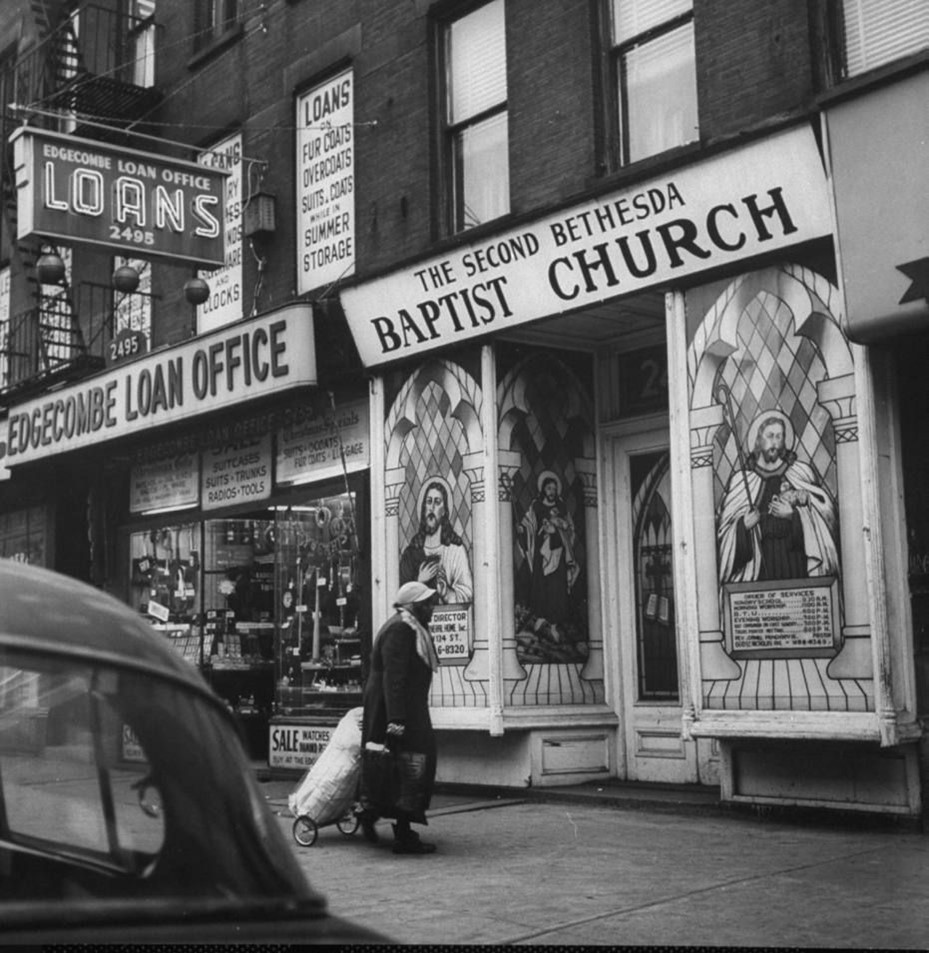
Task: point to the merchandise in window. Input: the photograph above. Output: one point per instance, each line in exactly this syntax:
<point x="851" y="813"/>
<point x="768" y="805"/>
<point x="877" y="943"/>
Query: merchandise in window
<point x="24" y="535"/>
<point x="476" y="116"/>
<point x="266" y="602"/>
<point x="654" y="69"/>
<point x="165" y="583"/>
<point x="319" y="662"/>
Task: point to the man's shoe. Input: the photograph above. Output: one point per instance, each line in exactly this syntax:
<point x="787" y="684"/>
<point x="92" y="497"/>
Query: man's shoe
<point x="368" y="830"/>
<point x="413" y="846"/>
<point x="408" y="842"/>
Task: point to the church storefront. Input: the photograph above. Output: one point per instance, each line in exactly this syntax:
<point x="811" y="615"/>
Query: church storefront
<point x="634" y="471"/>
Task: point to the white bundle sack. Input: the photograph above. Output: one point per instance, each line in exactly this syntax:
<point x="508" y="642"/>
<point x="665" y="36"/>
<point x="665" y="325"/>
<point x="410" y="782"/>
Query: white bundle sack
<point x="328" y="788"/>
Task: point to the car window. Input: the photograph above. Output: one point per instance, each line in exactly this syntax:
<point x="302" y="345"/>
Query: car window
<point x="117" y="782"/>
<point x="74" y="777"/>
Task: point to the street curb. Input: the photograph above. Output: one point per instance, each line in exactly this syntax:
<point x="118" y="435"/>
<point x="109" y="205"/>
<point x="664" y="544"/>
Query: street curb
<point x="665" y="799"/>
<point x="672" y="799"/>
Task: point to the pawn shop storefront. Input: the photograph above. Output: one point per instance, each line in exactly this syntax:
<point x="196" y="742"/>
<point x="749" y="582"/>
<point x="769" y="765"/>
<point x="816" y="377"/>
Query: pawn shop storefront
<point x="227" y="505"/>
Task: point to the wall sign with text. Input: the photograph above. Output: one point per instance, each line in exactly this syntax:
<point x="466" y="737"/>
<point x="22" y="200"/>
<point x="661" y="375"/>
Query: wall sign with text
<point x="226" y="303"/>
<point x="311" y="445"/>
<point x="297" y="746"/>
<point x="162" y="484"/>
<point x="326" y="183"/>
<point x="236" y="473"/>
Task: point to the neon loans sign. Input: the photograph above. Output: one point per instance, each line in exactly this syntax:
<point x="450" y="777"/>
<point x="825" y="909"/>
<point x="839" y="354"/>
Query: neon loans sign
<point x="78" y="190"/>
<point x="756" y="199"/>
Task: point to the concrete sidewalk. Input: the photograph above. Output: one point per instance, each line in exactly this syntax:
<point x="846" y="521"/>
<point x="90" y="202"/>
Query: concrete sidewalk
<point x="614" y="867"/>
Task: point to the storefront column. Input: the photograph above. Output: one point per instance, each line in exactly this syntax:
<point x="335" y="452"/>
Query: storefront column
<point x="487" y="660"/>
<point x="394" y="481"/>
<point x="484" y="608"/>
<point x="382" y="526"/>
<point x="478" y="668"/>
<point x="508" y="464"/>
<point x="837" y="395"/>
<point x="593" y="668"/>
<point x="714" y="662"/>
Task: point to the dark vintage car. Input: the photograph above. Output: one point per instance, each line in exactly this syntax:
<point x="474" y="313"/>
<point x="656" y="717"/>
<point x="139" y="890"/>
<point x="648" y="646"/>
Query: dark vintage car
<point x="128" y="808"/>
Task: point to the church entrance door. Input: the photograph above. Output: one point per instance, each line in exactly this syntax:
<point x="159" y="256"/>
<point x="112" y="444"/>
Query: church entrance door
<point x="642" y="613"/>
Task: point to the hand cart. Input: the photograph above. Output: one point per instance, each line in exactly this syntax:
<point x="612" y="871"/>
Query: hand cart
<point x="328" y="792"/>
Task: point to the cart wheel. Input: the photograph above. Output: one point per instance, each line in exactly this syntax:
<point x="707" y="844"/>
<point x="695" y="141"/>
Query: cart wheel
<point x="348" y="823"/>
<point x="305" y="831"/>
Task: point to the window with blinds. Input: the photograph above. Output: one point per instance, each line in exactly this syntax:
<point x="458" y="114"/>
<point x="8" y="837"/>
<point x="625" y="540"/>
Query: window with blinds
<point x="654" y="76"/>
<point x="477" y="138"/>
<point x="880" y="31"/>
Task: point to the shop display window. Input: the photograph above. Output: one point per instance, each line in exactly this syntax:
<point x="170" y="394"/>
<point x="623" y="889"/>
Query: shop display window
<point x="165" y="583"/>
<point x="266" y="602"/>
<point x="24" y="535"/>
<point x="319" y="660"/>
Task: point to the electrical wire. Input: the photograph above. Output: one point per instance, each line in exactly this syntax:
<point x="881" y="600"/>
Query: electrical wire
<point x="182" y="41"/>
<point x="95" y="120"/>
<point x="84" y="120"/>
<point x="90" y="119"/>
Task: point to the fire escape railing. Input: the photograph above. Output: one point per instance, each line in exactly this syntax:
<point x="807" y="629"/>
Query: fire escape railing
<point x="45" y="342"/>
<point x="97" y="61"/>
<point x="97" y="64"/>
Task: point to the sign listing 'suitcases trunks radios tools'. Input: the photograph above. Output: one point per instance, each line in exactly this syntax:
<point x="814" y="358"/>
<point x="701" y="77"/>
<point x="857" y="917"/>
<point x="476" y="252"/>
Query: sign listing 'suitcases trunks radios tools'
<point x="236" y="467"/>
<point x="140" y="204"/>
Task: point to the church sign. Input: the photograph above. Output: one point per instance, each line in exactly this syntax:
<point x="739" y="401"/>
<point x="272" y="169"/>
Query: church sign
<point x="771" y="620"/>
<point x="450" y="629"/>
<point x="753" y="200"/>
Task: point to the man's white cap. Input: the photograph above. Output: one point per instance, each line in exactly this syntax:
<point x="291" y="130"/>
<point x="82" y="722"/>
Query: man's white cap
<point x="411" y="592"/>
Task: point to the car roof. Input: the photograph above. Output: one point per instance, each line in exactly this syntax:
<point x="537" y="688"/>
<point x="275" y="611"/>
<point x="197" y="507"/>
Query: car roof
<point x="47" y="611"/>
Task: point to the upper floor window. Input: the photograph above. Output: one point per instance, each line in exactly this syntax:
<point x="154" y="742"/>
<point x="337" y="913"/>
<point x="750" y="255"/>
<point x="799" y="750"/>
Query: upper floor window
<point x="654" y="70"/>
<point x="878" y="31"/>
<point x="142" y="42"/>
<point x="213" y="19"/>
<point x="476" y="128"/>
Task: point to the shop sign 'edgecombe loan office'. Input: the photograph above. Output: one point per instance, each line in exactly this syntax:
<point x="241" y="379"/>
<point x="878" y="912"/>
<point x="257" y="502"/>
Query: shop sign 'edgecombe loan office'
<point x="609" y="605"/>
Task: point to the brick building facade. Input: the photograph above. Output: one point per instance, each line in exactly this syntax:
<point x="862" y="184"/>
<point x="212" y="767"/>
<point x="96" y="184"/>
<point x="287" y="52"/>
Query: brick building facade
<point x="569" y="267"/>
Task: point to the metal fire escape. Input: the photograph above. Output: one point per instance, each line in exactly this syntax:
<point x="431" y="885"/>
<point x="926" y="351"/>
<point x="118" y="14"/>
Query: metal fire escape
<point x="95" y="67"/>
